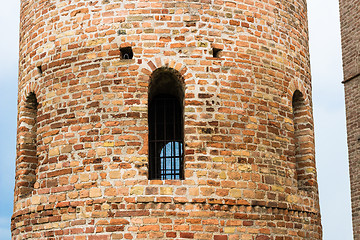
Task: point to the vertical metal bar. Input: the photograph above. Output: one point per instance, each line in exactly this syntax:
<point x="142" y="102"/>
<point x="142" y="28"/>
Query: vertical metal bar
<point x="181" y="147"/>
<point x="154" y="161"/>
<point x="151" y="128"/>
<point x="166" y="146"/>
<point x="172" y="141"/>
<point x="165" y="137"/>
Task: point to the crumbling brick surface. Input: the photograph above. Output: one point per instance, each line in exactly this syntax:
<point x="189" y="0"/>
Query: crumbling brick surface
<point x="244" y="174"/>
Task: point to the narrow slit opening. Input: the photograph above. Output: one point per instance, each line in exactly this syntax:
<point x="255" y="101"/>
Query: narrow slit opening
<point x="27" y="147"/>
<point x="39" y="70"/>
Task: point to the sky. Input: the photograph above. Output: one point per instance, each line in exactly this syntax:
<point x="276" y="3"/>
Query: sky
<point x="329" y="115"/>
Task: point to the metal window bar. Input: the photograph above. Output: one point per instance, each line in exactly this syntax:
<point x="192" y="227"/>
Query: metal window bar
<point x="166" y="153"/>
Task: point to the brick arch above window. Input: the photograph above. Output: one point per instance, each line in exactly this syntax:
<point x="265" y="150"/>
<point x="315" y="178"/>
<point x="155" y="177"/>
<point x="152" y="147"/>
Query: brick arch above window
<point x="31" y="87"/>
<point x="147" y="68"/>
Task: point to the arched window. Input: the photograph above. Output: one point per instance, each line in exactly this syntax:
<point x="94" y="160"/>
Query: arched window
<point x="27" y="161"/>
<point x="166" y="127"/>
<point x="304" y="143"/>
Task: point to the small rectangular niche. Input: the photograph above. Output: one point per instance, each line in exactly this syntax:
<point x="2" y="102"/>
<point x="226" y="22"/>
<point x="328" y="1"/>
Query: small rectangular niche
<point x="126" y="53"/>
<point x="216" y="52"/>
<point x="39" y="70"/>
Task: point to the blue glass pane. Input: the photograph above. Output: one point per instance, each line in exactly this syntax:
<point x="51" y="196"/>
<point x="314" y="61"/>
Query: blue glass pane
<point x="171" y="155"/>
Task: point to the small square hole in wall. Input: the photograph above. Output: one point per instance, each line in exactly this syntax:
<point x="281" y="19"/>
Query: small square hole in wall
<point x="216" y="52"/>
<point x="126" y="53"/>
<point x="39" y="70"/>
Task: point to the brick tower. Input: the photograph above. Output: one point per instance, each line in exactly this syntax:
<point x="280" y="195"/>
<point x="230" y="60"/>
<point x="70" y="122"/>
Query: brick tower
<point x="350" y="31"/>
<point x="165" y="119"/>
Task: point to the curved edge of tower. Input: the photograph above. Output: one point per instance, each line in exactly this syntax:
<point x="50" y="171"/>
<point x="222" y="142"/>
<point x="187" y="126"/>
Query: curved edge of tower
<point x="93" y="158"/>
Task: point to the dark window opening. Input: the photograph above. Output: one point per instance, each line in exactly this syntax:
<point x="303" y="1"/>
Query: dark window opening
<point x="126" y="53"/>
<point x="165" y="138"/>
<point x="216" y="52"/>
<point x="32" y="104"/>
<point x="27" y="158"/>
<point x="39" y="69"/>
<point x="166" y="131"/>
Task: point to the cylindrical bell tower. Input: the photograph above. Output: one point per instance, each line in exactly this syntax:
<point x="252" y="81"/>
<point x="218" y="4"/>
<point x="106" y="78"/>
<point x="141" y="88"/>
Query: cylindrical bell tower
<point x="165" y="119"/>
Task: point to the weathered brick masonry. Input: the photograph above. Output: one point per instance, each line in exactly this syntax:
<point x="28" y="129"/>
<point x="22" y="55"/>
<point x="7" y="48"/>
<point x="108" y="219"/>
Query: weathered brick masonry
<point x="350" y="31"/>
<point x="82" y="153"/>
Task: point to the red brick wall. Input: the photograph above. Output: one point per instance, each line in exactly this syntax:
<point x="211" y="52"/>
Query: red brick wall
<point x="350" y="31"/>
<point x="242" y="156"/>
<point x="352" y="100"/>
